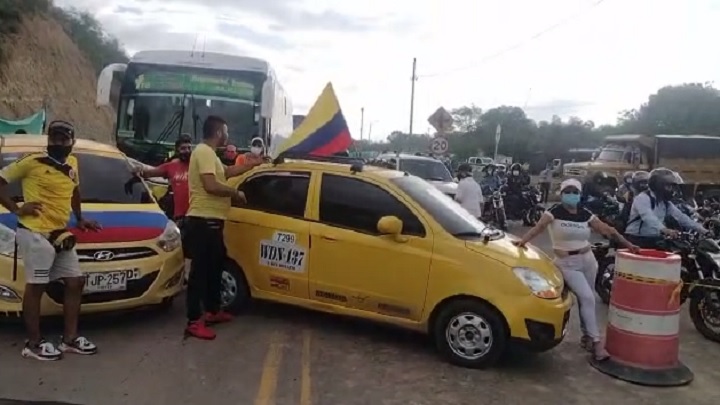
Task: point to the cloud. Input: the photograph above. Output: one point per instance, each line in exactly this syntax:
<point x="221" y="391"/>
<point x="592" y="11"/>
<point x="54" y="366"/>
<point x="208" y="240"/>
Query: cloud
<point x="596" y="62"/>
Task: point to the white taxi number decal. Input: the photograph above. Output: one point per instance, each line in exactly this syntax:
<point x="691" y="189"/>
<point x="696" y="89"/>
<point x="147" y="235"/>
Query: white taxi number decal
<point x="282" y="256"/>
<point x="284" y="237"/>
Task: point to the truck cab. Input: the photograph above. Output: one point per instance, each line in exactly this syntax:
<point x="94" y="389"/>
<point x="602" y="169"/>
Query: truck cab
<point x="619" y="154"/>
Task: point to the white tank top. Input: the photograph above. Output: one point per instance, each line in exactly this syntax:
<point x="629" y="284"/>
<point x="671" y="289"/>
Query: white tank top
<point x="569" y="231"/>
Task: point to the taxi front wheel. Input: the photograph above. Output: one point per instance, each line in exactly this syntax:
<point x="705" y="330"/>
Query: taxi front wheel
<point x="469" y="333"/>
<point x="235" y="293"/>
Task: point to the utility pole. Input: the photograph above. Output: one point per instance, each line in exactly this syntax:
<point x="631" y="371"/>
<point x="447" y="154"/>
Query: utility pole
<point x="412" y="94"/>
<point x="362" y="122"/>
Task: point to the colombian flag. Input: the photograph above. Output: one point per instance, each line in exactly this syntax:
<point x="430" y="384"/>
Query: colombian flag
<point x="323" y="132"/>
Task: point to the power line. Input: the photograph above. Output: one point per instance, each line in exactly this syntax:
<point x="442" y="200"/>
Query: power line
<point x="517" y="45"/>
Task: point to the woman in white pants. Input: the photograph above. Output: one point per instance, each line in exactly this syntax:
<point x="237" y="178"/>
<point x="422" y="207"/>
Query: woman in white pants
<point x="570" y="227"/>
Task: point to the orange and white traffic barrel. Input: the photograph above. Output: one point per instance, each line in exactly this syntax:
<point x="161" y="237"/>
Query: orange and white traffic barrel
<point x="644" y="320"/>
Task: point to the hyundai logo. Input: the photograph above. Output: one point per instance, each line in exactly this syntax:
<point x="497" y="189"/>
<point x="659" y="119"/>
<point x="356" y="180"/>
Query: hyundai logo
<point x="103" y="255"/>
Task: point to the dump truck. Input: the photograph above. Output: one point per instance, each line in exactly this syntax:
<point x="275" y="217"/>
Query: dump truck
<point x="695" y="157"/>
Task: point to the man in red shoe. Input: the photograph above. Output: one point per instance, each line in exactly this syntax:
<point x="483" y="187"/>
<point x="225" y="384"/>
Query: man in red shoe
<point x="210" y="200"/>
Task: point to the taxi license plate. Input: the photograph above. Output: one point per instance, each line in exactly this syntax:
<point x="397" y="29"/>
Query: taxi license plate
<point x="105" y="282"/>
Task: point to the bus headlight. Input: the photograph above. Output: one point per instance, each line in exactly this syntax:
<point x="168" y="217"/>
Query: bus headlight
<point x="538" y="284"/>
<point x="7" y="241"/>
<point x="170" y="238"/>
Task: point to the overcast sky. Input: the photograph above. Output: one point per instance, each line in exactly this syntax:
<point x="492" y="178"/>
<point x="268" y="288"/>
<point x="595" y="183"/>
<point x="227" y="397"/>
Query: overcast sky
<point x="598" y="60"/>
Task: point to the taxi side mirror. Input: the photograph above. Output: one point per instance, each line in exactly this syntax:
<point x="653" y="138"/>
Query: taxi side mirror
<point x="391" y="225"/>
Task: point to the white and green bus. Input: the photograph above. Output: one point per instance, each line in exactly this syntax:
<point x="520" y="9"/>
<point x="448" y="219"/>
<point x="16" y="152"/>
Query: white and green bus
<point x="160" y="94"/>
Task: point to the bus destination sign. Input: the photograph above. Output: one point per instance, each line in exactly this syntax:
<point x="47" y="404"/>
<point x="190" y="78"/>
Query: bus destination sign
<point x="205" y="85"/>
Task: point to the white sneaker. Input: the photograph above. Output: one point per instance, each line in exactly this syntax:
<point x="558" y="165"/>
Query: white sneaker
<point x="79" y="345"/>
<point x="44" y="350"/>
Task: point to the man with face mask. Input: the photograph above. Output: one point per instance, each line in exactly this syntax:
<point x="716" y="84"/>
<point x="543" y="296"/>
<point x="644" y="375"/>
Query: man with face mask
<point x="50" y="193"/>
<point x="256" y="154"/>
<point x="210" y="200"/>
<point x="646" y="224"/>
<point x="176" y="172"/>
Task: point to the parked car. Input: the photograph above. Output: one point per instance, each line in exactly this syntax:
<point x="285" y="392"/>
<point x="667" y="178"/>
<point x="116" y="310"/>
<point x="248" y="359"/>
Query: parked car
<point x="136" y="259"/>
<point x="384" y="245"/>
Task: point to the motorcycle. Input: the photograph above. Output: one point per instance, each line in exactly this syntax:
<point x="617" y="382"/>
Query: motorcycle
<point x="523" y="206"/>
<point x="494" y="210"/>
<point x="606" y="208"/>
<point x="606" y="269"/>
<point x="700" y="261"/>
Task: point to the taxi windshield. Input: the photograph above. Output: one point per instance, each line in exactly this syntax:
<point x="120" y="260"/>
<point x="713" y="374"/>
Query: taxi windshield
<point x="102" y="180"/>
<point x="448" y="213"/>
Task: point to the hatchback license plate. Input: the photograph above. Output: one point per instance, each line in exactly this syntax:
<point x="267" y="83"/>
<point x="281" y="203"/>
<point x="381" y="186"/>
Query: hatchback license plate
<point x="105" y="282"/>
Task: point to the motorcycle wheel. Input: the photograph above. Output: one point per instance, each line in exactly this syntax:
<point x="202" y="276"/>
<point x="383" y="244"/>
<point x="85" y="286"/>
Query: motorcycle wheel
<point x="501" y="219"/>
<point x="704" y="312"/>
<point x="532" y="216"/>
<point x="604" y="278"/>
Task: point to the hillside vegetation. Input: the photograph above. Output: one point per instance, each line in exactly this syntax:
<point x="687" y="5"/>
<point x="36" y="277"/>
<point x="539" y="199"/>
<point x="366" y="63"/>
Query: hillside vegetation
<point x="51" y="56"/>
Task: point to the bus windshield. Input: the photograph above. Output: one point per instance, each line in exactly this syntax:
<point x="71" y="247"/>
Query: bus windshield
<point x="157" y="103"/>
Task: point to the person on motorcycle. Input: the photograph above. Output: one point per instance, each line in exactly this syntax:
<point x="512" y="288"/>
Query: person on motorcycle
<point x="594" y="190"/>
<point x="626" y="187"/>
<point x="469" y="194"/>
<point x="570" y="227"/>
<point x="491" y="180"/>
<point x="650" y="209"/>
<point x="515" y="179"/>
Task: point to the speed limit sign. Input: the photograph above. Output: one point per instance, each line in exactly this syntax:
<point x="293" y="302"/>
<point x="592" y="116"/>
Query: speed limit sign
<point x="439" y="145"/>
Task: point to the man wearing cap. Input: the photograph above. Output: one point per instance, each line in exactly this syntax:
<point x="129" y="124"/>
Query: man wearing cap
<point x="255" y="156"/>
<point x="50" y="194"/>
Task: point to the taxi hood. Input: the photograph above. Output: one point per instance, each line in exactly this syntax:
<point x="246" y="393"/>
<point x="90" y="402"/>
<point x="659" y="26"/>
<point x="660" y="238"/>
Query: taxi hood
<point x="447" y="187"/>
<point x="510" y="255"/>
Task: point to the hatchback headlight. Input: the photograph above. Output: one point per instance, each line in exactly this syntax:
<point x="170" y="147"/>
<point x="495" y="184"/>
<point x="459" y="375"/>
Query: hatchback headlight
<point x="538" y="284"/>
<point x="170" y="238"/>
<point x="8" y="294"/>
<point x="7" y="241"/>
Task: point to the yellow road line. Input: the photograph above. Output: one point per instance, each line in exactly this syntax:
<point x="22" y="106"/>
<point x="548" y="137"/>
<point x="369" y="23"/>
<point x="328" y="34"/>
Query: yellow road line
<point x="305" y="380"/>
<point x="271" y="369"/>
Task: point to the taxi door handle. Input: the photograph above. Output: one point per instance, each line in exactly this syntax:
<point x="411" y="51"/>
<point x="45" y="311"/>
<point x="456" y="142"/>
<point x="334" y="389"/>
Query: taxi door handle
<point x="329" y="238"/>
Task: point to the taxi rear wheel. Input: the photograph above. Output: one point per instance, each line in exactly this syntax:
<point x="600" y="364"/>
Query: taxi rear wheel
<point x="470" y="333"/>
<point x="235" y="293"/>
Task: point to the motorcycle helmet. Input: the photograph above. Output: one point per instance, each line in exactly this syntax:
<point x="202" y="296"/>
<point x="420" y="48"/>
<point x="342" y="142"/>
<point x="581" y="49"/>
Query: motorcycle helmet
<point x="595" y="184"/>
<point x="489" y="170"/>
<point x="516" y="169"/>
<point x="627" y="178"/>
<point x="662" y="183"/>
<point x="640" y="181"/>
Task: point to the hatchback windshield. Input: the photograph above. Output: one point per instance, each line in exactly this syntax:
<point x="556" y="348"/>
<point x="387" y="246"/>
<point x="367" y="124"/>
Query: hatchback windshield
<point x="102" y="180"/>
<point x="449" y="214"/>
<point x="426" y="169"/>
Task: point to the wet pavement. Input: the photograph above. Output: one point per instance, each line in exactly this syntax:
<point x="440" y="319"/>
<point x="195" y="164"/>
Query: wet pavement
<point x="280" y="355"/>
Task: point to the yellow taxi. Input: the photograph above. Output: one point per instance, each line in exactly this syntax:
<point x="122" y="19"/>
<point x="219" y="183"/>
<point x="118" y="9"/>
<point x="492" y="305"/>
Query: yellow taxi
<point x="379" y="244"/>
<point x="134" y="261"/>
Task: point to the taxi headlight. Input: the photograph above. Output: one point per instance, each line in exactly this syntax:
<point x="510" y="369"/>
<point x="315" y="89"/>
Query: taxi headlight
<point x="7" y="241"/>
<point x="538" y="284"/>
<point x="170" y="238"/>
<point x="8" y="294"/>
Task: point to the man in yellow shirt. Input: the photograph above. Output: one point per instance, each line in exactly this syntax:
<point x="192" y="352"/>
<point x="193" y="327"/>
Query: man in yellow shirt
<point x="50" y="193"/>
<point x="210" y="200"/>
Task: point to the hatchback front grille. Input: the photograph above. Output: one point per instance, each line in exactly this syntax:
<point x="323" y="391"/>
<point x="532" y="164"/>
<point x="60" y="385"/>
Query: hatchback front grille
<point x="114" y="254"/>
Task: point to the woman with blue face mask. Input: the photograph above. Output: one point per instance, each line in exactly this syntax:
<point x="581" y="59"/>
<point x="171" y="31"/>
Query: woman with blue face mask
<point x="570" y="227"/>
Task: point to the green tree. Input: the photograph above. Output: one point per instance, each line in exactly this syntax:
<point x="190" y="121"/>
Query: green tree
<point x="686" y="109"/>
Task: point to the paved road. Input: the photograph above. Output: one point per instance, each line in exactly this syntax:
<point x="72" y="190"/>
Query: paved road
<point x="279" y="355"/>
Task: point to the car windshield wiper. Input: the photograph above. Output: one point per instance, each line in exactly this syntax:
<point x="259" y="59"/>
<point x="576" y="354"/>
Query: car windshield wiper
<point x="435" y="179"/>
